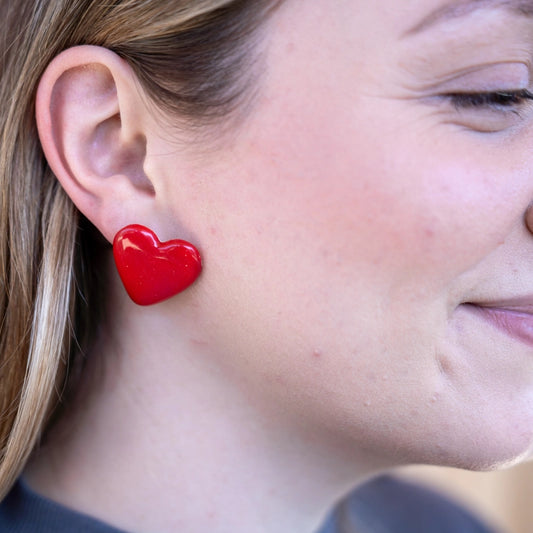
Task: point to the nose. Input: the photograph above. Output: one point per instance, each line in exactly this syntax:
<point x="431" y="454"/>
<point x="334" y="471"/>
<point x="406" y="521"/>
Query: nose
<point x="529" y="218"/>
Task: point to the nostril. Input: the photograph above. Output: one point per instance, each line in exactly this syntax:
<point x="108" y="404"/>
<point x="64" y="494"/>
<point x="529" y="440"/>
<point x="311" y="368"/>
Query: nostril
<point x="528" y="218"/>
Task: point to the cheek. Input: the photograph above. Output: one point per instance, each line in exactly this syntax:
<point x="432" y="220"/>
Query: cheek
<point x="320" y="226"/>
<point x="328" y="263"/>
<point x="329" y="190"/>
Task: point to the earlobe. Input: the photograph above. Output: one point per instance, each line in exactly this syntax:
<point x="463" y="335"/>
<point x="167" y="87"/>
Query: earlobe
<point x="90" y="123"/>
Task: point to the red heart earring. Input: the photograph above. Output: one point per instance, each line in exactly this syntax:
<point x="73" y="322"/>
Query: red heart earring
<point x="150" y="270"/>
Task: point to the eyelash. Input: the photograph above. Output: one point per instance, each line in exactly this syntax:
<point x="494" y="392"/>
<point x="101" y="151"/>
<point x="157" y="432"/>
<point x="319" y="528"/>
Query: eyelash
<point x="497" y="100"/>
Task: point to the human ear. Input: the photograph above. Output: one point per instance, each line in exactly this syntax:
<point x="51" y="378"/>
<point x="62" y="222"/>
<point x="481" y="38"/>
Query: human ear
<point x="92" y="123"/>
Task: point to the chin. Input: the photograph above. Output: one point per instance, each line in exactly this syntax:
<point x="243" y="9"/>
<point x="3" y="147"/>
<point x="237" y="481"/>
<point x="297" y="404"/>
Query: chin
<point x="484" y="453"/>
<point x="470" y="443"/>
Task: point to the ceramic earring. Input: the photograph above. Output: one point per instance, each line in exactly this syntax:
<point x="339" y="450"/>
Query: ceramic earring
<point x="153" y="271"/>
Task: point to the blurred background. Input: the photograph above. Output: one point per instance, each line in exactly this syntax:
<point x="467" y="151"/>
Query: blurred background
<point x="503" y="499"/>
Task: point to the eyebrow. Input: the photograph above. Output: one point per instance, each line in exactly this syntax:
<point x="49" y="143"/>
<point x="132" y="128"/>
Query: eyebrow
<point x="462" y="8"/>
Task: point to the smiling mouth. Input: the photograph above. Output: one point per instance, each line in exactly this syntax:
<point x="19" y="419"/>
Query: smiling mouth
<point x="515" y="320"/>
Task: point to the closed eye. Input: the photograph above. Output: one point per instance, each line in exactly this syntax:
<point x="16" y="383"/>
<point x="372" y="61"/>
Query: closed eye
<point x="494" y="100"/>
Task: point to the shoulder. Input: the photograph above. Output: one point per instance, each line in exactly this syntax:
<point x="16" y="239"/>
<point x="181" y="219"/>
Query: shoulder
<point x="389" y="505"/>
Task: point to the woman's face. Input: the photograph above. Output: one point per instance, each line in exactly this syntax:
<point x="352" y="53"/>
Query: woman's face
<point x="376" y="191"/>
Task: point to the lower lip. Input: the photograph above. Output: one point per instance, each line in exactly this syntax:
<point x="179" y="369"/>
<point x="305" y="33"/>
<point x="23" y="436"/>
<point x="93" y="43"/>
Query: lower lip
<point x="516" y="324"/>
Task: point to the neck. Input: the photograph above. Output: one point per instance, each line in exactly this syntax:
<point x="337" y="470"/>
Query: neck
<point x="180" y="431"/>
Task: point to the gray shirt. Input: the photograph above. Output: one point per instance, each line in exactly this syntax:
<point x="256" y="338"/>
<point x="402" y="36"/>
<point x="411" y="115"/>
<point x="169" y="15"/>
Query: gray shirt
<point x="383" y="505"/>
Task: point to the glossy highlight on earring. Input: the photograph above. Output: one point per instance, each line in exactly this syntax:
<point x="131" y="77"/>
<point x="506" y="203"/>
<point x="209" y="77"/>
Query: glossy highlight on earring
<point x="153" y="271"/>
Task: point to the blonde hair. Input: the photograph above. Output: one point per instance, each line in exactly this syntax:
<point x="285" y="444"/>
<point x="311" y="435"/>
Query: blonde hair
<point x="190" y="56"/>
